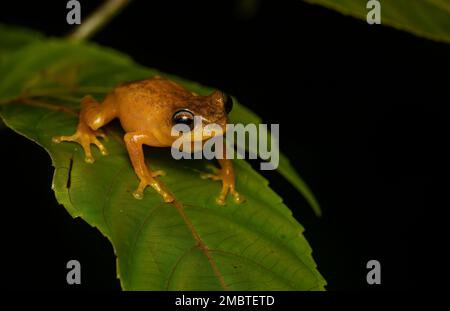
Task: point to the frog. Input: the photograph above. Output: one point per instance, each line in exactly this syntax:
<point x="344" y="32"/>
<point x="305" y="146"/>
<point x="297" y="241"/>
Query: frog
<point x="147" y="110"/>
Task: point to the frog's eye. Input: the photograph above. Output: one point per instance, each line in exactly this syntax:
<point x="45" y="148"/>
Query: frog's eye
<point x="183" y="116"/>
<point x="228" y="101"/>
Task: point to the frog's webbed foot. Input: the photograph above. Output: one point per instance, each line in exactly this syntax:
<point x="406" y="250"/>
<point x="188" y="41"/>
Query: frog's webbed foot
<point x="214" y="175"/>
<point x="158" y="173"/>
<point x="155" y="184"/>
<point x="146" y="181"/>
<point x="147" y="177"/>
<point x="226" y="175"/>
<point x="85" y="136"/>
<point x="92" y="116"/>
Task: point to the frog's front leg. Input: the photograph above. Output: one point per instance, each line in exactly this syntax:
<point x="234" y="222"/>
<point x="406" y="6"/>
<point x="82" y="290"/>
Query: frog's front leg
<point x="92" y="116"/>
<point x="226" y="175"/>
<point x="134" y="142"/>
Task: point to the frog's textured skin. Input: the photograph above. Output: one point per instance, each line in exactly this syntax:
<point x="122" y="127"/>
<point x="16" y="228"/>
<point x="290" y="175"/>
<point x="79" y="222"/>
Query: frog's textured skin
<point x="146" y="109"/>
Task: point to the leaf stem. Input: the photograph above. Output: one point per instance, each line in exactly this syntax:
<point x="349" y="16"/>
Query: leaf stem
<point x="98" y="19"/>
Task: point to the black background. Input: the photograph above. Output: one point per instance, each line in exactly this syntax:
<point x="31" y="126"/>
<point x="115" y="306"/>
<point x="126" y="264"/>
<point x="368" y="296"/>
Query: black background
<point x="362" y="117"/>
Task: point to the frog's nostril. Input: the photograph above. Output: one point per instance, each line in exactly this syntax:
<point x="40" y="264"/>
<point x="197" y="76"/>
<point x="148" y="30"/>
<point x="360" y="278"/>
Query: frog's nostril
<point x="228" y="101"/>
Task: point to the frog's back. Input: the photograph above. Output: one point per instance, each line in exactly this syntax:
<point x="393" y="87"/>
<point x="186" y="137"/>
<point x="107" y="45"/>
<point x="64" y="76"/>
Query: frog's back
<point x="146" y="104"/>
<point x="155" y="86"/>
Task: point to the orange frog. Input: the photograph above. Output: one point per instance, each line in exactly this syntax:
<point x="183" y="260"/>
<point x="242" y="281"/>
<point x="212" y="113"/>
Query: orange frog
<point x="147" y="111"/>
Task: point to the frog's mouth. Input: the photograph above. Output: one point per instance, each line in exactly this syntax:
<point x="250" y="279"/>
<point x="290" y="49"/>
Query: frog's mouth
<point x="208" y="129"/>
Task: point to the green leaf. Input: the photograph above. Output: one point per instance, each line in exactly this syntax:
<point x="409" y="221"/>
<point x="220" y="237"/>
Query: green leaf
<point x="426" y="18"/>
<point x="243" y="115"/>
<point x="12" y="38"/>
<point x="192" y="244"/>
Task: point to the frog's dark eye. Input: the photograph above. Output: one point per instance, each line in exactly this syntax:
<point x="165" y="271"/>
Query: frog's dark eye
<point x="183" y="116"/>
<point x="228" y="101"/>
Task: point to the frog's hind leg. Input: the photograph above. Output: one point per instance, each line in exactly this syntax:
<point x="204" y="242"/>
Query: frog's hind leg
<point x="93" y="115"/>
<point x="134" y="142"/>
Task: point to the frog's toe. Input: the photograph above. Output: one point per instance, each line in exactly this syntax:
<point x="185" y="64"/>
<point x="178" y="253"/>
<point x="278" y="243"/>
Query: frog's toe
<point x="156" y="185"/>
<point x="85" y="142"/>
<point x="59" y="139"/>
<point x="168" y="198"/>
<point x="213" y="169"/>
<point x="89" y="159"/>
<point x="158" y="173"/>
<point x="99" y="145"/>
<point x="210" y="176"/>
<point x="138" y="195"/>
<point x="139" y="192"/>
<point x="100" y="133"/>
<point x="238" y="198"/>
<point x="220" y="200"/>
